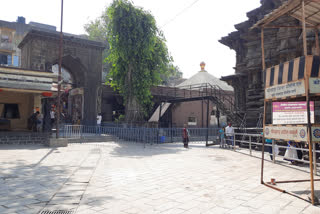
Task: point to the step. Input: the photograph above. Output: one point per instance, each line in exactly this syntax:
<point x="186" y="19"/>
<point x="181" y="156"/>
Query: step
<point x="93" y="139"/>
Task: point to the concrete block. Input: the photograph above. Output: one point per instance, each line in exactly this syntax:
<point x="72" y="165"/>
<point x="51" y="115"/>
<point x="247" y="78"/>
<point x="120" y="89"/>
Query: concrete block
<point x="60" y="142"/>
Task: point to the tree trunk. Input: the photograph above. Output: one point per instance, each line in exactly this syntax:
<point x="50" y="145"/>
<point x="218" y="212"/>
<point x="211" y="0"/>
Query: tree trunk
<point x="133" y="109"/>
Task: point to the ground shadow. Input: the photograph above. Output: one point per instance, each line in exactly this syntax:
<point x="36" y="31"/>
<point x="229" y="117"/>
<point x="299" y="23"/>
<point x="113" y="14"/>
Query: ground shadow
<point x="20" y="178"/>
<point x="137" y="150"/>
<point x="22" y="146"/>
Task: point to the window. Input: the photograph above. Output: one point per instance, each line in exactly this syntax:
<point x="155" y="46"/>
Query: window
<point x="4" y="38"/>
<point x="16" y="61"/>
<point x="192" y="121"/>
<point x="3" y="59"/>
<point x="9" y="60"/>
<point x="10" y="111"/>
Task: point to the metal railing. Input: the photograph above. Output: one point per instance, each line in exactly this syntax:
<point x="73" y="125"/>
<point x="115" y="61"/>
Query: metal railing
<point x="253" y="142"/>
<point x="141" y="134"/>
<point x="241" y="142"/>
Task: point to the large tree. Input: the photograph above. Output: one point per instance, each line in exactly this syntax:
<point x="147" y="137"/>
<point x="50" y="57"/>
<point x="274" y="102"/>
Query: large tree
<point x="138" y="55"/>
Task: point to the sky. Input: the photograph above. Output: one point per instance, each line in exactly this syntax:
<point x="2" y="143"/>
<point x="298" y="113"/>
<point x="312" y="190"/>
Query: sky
<point x="192" y="28"/>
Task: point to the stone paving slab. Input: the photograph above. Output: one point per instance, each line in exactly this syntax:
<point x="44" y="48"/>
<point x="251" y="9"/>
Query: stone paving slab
<point x="128" y="178"/>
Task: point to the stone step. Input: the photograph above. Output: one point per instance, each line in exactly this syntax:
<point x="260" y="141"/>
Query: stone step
<point x="23" y="138"/>
<point x="92" y="139"/>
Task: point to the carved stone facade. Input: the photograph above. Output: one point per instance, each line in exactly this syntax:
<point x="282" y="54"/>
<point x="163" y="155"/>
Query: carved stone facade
<point x="281" y="45"/>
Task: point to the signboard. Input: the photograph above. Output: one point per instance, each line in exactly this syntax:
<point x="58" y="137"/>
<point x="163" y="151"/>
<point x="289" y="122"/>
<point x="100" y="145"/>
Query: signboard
<point x="291" y="112"/>
<point x="315" y="134"/>
<point x="25" y="82"/>
<point x="76" y="91"/>
<point x="285" y="90"/>
<point x="314" y="85"/>
<point x="286" y="133"/>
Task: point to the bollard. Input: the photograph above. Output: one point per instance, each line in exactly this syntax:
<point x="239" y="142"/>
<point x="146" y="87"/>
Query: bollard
<point x="273" y="153"/>
<point x="250" y="145"/>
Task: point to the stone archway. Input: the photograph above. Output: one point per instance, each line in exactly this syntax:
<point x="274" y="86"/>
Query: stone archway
<point x="82" y="58"/>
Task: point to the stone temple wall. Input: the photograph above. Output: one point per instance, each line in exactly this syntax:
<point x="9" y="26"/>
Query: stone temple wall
<point x="281" y="45"/>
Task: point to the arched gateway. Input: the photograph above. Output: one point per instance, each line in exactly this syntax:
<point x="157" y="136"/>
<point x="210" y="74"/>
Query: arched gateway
<point x="81" y="57"/>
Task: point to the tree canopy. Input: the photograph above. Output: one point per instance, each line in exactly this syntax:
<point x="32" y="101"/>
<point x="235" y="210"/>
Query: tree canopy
<point x="138" y="55"/>
<point x="171" y="75"/>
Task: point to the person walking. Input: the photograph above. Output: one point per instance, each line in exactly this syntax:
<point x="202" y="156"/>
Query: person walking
<point x="230" y="134"/>
<point x="33" y="121"/>
<point x="99" y="118"/>
<point x="185" y="137"/>
<point x="222" y="138"/>
<point x="291" y="153"/>
<point x="52" y="117"/>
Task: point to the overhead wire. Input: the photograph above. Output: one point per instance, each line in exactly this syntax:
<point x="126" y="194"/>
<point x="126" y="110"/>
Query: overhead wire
<point x="180" y="13"/>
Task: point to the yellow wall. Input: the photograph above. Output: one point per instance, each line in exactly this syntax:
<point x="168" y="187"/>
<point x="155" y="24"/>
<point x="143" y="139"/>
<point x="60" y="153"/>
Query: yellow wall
<point x="26" y="102"/>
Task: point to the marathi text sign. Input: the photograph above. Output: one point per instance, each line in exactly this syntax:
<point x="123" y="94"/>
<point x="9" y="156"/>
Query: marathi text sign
<point x="286" y="133"/>
<point x="291" y="112"/>
<point x="314" y="85"/>
<point x="285" y="90"/>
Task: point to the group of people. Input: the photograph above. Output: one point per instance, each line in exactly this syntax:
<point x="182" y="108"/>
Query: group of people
<point x="292" y="154"/>
<point x="35" y="122"/>
<point x="226" y="136"/>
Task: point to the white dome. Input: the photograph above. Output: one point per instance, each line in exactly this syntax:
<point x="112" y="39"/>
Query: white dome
<point x="203" y="77"/>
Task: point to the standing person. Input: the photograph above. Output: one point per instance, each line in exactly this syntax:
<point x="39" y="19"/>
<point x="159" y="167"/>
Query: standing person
<point x="32" y="121"/>
<point x="185" y="136"/>
<point x="299" y="151"/>
<point x="99" y="118"/>
<point x="222" y="140"/>
<point x="39" y="122"/>
<point x="52" y="117"/>
<point x="269" y="142"/>
<point x="230" y="134"/>
<point x="291" y="153"/>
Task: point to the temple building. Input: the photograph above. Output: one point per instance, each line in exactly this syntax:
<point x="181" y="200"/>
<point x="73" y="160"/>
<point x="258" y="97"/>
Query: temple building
<point x="199" y="100"/>
<point x="29" y="54"/>
<point x="194" y="113"/>
<point x="281" y="45"/>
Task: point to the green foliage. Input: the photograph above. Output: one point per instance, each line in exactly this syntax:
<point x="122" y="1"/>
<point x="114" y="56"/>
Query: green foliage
<point x="120" y="118"/>
<point x="138" y="54"/>
<point x="97" y="31"/>
<point x="172" y="74"/>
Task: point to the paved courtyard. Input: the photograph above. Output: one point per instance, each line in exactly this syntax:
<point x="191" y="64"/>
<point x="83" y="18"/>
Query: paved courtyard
<point x="128" y="178"/>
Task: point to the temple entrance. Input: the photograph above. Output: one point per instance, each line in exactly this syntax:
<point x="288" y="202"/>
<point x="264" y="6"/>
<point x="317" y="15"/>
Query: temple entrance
<point x="72" y="99"/>
<point x="82" y="59"/>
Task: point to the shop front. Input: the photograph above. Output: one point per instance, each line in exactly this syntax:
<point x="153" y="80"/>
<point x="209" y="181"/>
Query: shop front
<point x="21" y="94"/>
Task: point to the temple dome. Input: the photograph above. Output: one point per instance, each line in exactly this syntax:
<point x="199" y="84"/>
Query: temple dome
<point x="203" y="77"/>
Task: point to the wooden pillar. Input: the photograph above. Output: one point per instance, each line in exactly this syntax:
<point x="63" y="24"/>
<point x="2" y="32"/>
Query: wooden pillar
<point x="160" y="109"/>
<point x="265" y="103"/>
<point x="304" y="33"/>
<point x="263" y="140"/>
<point x="202" y="113"/>
<point x="262" y="50"/>
<point x="306" y="78"/>
<point x="207" y="134"/>
<point x="316" y="34"/>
